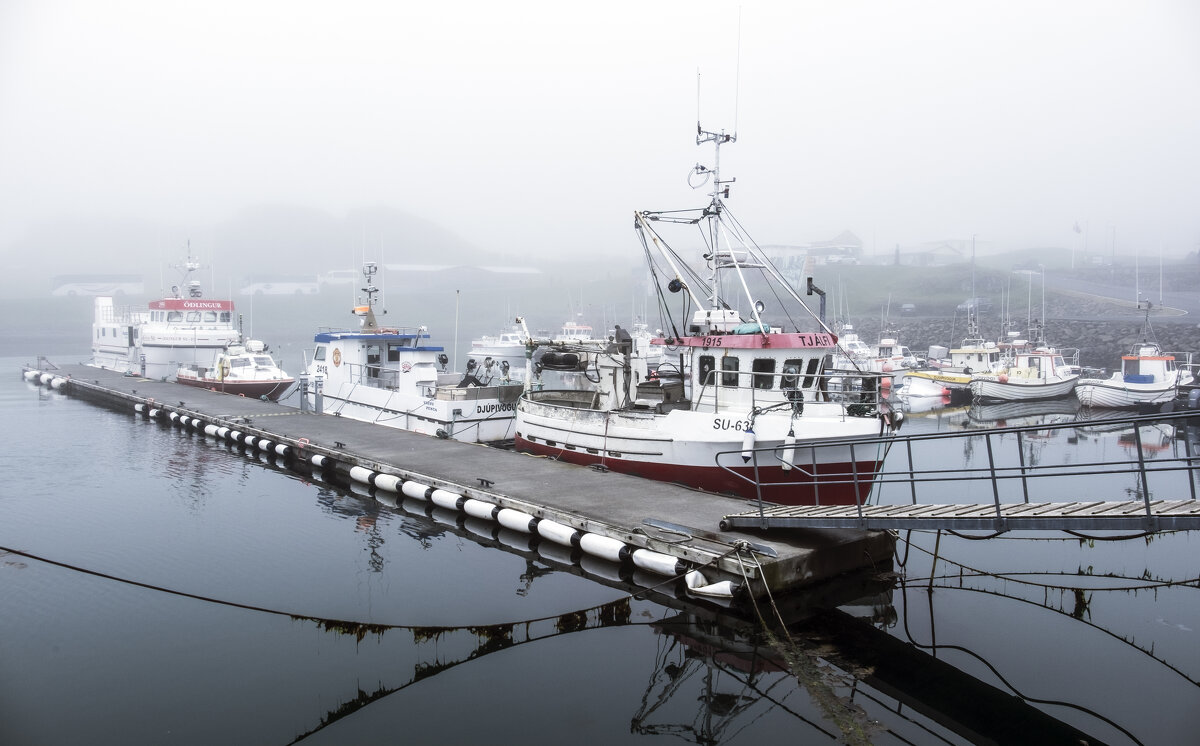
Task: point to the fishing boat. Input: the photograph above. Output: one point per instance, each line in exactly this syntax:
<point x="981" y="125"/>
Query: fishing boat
<point x="952" y="376"/>
<point x="888" y="356"/>
<point x="852" y="352"/>
<point x="499" y="350"/>
<point x="1148" y="377"/>
<point x="1032" y="374"/>
<point x="745" y="413"/>
<point x="394" y="377"/>
<point x="245" y="369"/>
<point x="182" y="328"/>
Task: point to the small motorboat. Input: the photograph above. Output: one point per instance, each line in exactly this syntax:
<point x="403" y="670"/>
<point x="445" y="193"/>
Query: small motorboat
<point x="245" y="369"/>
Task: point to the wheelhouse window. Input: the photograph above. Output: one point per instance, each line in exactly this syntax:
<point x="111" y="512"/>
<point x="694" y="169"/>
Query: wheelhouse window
<point x="210" y="317"/>
<point x="729" y="368"/>
<point x="791" y="374"/>
<point x="174" y="317"/>
<point x="319" y="354"/>
<point x="193" y="317"/>
<point x="764" y="370"/>
<point x="226" y="317"/>
<point x="813" y="364"/>
<point x="707" y="363"/>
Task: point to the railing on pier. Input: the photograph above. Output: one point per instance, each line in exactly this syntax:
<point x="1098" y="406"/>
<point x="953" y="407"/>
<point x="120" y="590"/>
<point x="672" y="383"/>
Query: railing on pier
<point x="916" y="487"/>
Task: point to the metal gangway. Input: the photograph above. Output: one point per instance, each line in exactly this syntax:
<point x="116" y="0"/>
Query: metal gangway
<point x="1152" y="489"/>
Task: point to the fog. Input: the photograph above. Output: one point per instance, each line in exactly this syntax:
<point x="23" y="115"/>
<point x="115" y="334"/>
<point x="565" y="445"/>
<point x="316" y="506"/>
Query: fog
<point x="536" y="129"/>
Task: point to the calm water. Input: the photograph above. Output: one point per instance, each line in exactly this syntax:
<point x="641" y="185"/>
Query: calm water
<point x="1018" y="638"/>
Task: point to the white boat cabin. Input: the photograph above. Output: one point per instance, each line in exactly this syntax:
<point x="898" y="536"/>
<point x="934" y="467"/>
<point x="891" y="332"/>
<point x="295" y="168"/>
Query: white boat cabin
<point x="378" y="359"/>
<point x="975" y="356"/>
<point x="1147" y="364"/>
<point x="1040" y="364"/>
<point x="736" y="366"/>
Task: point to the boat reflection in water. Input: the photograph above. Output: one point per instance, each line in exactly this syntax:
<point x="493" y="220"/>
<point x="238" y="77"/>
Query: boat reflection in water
<point x="446" y="629"/>
<point x="873" y="659"/>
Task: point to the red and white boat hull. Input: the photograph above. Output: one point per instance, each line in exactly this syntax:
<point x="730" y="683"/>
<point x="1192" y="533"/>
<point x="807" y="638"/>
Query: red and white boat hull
<point x="704" y="450"/>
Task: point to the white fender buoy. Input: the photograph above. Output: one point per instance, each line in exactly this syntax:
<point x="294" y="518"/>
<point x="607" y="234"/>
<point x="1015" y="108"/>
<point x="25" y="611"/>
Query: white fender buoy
<point x="604" y="547"/>
<point x="657" y="562"/>
<point x="174" y="417"/>
<point x="789" y="450"/>
<point x="389" y="482"/>
<point x="558" y="533"/>
<point x="698" y="584"/>
<point x="263" y="444"/>
<point x="517" y="521"/>
<point x="235" y="436"/>
<point x="45" y="378"/>
<point x="445" y="499"/>
<point x="248" y="440"/>
<point x="210" y="430"/>
<point x="415" y="490"/>
<point x="480" y="509"/>
<point x="154" y="413"/>
<point x="748" y="444"/>
<point x="58" y="382"/>
<point x="222" y="432"/>
<point x="320" y="461"/>
<point x="139" y="408"/>
<point x="31" y="374"/>
<point x="359" y="474"/>
<point x="282" y="449"/>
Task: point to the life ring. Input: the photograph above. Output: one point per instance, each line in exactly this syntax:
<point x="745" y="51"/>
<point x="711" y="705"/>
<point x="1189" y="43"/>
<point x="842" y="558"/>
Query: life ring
<point x="337" y="357"/>
<point x="223" y="371"/>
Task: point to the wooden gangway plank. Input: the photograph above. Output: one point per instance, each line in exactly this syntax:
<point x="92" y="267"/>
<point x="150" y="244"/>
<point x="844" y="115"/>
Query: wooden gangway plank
<point x="1154" y="515"/>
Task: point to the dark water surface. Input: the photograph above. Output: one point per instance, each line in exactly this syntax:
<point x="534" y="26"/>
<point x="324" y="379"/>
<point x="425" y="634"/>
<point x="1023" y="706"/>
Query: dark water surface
<point x="1019" y="638"/>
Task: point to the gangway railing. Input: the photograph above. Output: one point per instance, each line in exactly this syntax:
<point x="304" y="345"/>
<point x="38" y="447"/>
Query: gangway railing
<point x="914" y="486"/>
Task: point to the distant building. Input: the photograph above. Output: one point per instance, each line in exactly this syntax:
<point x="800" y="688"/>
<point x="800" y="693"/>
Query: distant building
<point x="115" y="285"/>
<point x="935" y="254"/>
<point x="796" y="262"/>
<point x="281" y="285"/>
<point x="844" y="248"/>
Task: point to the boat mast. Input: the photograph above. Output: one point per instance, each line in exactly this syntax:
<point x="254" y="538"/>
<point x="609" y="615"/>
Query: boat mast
<point x="368" y="312"/>
<point x="716" y="207"/>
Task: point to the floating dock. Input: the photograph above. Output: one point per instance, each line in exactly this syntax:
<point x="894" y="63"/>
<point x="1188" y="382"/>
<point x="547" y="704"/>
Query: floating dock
<point x="663" y="529"/>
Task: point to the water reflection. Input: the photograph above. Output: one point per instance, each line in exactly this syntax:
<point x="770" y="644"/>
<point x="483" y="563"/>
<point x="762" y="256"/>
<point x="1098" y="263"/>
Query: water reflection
<point x="1017" y="638"/>
<point x="903" y="668"/>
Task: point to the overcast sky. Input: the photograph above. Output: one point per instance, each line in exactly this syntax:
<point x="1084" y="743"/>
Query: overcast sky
<point x="544" y="125"/>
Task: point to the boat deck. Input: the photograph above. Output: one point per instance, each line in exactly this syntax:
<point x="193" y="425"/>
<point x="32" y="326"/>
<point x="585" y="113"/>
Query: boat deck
<point x="660" y="517"/>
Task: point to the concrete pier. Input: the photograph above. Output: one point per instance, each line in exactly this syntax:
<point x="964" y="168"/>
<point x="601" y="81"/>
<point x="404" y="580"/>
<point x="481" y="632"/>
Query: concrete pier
<point x="663" y="518"/>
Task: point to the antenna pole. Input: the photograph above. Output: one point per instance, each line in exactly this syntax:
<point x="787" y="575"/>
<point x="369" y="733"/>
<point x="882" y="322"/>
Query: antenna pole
<point x="737" y="81"/>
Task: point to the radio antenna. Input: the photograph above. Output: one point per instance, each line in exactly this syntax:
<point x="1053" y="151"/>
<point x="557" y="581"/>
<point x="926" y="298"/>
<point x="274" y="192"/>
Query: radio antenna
<point x="737" y="81"/>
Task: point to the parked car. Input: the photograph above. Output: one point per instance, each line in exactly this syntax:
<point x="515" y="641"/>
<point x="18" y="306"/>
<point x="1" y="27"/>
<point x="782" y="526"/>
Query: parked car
<point x="908" y="309"/>
<point x="976" y="304"/>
